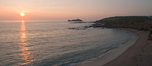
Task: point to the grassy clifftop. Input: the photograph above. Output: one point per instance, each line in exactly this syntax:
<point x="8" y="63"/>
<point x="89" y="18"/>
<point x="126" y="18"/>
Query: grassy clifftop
<point x="136" y="22"/>
<point x="126" y="19"/>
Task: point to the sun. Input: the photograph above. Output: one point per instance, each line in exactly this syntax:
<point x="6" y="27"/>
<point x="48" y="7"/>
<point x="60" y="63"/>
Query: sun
<point x="22" y="14"/>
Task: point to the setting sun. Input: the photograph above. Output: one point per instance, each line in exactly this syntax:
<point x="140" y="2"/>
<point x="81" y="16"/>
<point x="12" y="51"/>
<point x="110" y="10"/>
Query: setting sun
<point x="22" y="14"/>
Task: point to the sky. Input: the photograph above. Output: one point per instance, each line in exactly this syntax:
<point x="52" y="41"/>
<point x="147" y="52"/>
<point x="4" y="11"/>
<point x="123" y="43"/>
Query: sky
<point x="70" y="9"/>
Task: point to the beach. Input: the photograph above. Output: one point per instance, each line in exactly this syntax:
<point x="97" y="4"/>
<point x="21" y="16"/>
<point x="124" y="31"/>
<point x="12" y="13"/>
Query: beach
<point x="137" y="54"/>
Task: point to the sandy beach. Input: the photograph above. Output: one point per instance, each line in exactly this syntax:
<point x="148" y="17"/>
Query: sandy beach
<point x="137" y="54"/>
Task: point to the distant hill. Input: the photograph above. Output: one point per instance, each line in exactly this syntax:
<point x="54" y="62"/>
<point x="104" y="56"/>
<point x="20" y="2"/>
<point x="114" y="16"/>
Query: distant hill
<point x="126" y="19"/>
<point x="137" y="22"/>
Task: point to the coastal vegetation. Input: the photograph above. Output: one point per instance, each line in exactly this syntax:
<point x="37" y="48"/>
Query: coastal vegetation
<point x="134" y="22"/>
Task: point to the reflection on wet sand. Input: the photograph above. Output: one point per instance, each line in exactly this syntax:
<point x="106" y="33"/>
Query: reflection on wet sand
<point x="25" y="55"/>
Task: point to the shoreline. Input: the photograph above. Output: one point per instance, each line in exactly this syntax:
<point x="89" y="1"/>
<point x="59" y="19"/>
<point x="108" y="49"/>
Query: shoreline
<point x="117" y="56"/>
<point x="131" y="57"/>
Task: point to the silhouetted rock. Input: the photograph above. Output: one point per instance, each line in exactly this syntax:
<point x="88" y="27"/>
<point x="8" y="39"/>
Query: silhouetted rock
<point x="75" y="20"/>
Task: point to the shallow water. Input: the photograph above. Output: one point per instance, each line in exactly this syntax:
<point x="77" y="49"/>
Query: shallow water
<point x="54" y="43"/>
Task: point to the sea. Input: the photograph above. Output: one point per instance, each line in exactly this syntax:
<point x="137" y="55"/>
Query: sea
<point x="56" y="43"/>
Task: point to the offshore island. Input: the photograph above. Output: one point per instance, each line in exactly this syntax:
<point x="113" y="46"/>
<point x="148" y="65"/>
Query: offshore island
<point x="139" y="54"/>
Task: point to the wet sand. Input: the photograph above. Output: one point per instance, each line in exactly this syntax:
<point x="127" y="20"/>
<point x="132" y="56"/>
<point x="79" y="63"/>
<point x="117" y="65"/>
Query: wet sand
<point x="136" y="55"/>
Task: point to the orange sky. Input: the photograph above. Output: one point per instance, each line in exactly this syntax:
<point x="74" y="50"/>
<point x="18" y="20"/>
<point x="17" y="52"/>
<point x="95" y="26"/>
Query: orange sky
<point x="69" y="9"/>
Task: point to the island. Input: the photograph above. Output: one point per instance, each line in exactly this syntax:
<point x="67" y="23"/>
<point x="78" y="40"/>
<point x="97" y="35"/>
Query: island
<point x="75" y="20"/>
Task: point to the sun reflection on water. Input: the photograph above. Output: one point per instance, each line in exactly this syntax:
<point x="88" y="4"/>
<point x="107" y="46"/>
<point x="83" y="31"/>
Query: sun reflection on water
<point x="25" y="55"/>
